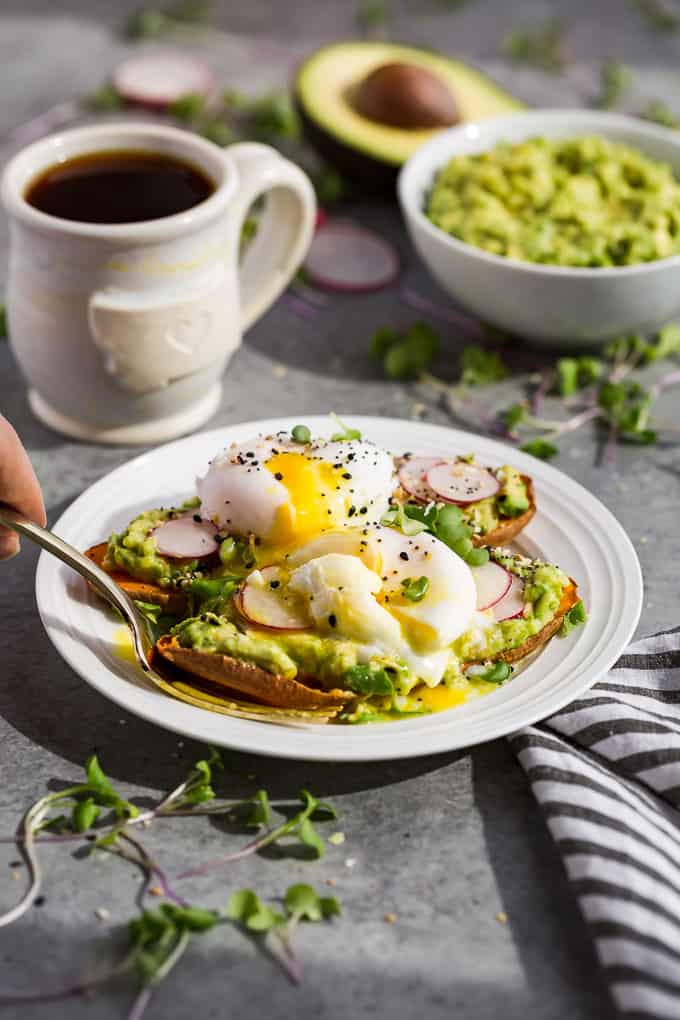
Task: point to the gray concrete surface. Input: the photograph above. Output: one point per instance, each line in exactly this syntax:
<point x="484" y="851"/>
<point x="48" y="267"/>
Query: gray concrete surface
<point x="446" y="842"/>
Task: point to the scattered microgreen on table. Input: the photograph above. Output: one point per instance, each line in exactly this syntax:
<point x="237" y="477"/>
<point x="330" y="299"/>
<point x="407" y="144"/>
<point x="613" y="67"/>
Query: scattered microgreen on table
<point x="104" y="820"/>
<point x="540" y="47"/>
<point x="590" y="388"/>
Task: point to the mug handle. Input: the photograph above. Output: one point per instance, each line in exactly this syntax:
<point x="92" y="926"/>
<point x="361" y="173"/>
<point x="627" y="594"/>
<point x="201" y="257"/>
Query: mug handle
<point x="284" y="231"/>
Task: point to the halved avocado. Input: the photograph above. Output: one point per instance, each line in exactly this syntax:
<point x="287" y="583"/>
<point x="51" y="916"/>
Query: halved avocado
<point x="413" y="92"/>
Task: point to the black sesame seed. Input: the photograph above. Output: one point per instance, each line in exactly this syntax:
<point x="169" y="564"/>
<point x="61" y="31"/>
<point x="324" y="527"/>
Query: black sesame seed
<point x="351" y="512"/>
<point x="274" y="584"/>
<point x="197" y="518"/>
<point x="278" y="476"/>
<point x="403" y="555"/>
<point x="332" y="620"/>
<point x="346" y="474"/>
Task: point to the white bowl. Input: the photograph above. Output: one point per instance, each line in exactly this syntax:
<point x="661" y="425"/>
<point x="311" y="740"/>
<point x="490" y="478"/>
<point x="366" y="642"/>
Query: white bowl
<point x="552" y="305"/>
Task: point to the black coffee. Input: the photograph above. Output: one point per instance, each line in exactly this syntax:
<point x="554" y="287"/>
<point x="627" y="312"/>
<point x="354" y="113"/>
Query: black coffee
<point x="119" y="187"/>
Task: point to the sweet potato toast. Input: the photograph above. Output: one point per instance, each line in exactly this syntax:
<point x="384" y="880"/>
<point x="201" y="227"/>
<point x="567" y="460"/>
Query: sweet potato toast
<point x="170" y="599"/>
<point x="244" y="677"/>
<point x="570" y="597"/>
<point x="509" y="527"/>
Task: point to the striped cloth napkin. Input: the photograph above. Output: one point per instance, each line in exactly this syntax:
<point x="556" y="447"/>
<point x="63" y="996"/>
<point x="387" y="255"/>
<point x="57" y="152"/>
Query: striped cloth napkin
<point x="606" y="772"/>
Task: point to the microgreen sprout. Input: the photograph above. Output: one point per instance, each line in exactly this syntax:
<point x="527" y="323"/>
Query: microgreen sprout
<point x="299" y="827"/>
<point x="542" y="47"/>
<point x="301" y="434"/>
<point x="261" y="920"/>
<point x="574" y="617"/>
<point x="158" y="938"/>
<point x="446" y="522"/>
<point x="491" y="673"/>
<point x="414" y="589"/>
<point x="614" y="80"/>
<point x="368" y="680"/>
<point x="405" y="355"/>
<point x="150" y="23"/>
<point x="344" y="433"/>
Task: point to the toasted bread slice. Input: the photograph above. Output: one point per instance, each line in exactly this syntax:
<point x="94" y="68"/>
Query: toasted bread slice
<point x="244" y="677"/>
<point x="570" y="597"/>
<point x="509" y="527"/>
<point x="170" y="599"/>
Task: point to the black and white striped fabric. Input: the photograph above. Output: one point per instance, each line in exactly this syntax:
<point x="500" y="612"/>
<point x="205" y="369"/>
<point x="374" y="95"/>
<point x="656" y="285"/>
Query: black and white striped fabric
<point x="606" y="772"/>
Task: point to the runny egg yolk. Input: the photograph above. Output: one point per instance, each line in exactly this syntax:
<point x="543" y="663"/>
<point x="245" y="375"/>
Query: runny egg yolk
<point x="315" y="497"/>
<point x="440" y="698"/>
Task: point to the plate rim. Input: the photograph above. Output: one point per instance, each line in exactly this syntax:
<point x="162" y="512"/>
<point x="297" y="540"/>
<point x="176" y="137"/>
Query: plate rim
<point x="617" y="542"/>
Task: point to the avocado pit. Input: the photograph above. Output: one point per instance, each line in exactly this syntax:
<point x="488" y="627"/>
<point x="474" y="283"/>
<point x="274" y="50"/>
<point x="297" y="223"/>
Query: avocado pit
<point x="405" y="96"/>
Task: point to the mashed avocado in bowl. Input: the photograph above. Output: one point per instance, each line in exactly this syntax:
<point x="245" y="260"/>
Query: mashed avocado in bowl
<point x="583" y="202"/>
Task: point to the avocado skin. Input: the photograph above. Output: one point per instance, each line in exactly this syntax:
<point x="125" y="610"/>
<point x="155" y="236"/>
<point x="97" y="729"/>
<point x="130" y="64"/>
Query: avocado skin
<point x="369" y="176"/>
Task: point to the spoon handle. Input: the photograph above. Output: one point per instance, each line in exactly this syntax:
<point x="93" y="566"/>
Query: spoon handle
<point x="97" y="577"/>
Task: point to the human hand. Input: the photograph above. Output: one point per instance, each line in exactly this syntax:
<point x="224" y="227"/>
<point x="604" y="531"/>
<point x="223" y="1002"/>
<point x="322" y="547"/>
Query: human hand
<point x="19" y="487"/>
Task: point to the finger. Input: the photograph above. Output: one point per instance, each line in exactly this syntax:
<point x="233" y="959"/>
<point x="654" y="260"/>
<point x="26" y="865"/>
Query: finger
<point x="19" y="486"/>
<point x="9" y="544"/>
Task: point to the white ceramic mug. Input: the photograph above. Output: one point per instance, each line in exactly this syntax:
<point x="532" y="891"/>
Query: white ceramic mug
<point x="123" y="330"/>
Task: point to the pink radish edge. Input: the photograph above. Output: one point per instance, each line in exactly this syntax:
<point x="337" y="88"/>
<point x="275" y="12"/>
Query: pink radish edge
<point x="445" y="485"/>
<point x="416" y="486"/>
<point x="493" y="583"/>
<point x="158" y="79"/>
<point x="345" y="256"/>
<point x="184" y="538"/>
<point x="512" y="604"/>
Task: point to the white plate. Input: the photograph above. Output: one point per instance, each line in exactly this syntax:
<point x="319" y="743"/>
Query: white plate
<point x="571" y="528"/>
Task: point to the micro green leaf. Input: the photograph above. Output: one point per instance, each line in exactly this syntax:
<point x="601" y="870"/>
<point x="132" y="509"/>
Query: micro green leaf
<point x="381" y="341"/>
<point x="246" y="908"/>
<point x="411" y="354"/>
<point x="480" y="368"/>
<point x="344" y="433"/>
<point x="259" y="815"/>
<point x="106" y="99"/>
<point x="310" y="837"/>
<point x="667" y="343"/>
<point x="494" y="673"/>
<point x="574" y="617"/>
<point x="148" y="610"/>
<point x="191" y="918"/>
<point x="540" y="448"/>
<point x="614" y="80"/>
<point x="187" y="107"/>
<point x="303" y="903"/>
<point x="103" y="792"/>
<point x="414" y="589"/>
<point x="513" y="415"/>
<point x="84" y="815"/>
<point x="301" y="434"/>
<point x="567" y="376"/>
<point x="364" y="680"/>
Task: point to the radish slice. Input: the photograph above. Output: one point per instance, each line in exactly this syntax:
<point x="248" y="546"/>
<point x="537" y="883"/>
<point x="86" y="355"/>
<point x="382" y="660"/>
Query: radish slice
<point x="492" y="582"/>
<point x="185" y="538"/>
<point x="512" y="604"/>
<point x="159" y="79"/>
<point x="459" y="482"/>
<point x="412" y="478"/>
<point x="345" y="256"/>
<point x="265" y="600"/>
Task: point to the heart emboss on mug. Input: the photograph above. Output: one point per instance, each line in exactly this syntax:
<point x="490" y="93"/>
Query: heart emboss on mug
<point x="188" y="333"/>
<point x="150" y="349"/>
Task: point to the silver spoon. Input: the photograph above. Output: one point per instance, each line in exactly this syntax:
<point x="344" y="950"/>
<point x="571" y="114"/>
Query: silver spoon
<point x="143" y="640"/>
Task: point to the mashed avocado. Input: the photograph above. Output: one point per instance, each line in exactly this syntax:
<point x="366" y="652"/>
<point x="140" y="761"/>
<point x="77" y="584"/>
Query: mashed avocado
<point x="511" y="500"/>
<point x="135" y="550"/>
<point x="566" y="202"/>
<point x="285" y="653"/>
<point x="290" y="653"/>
